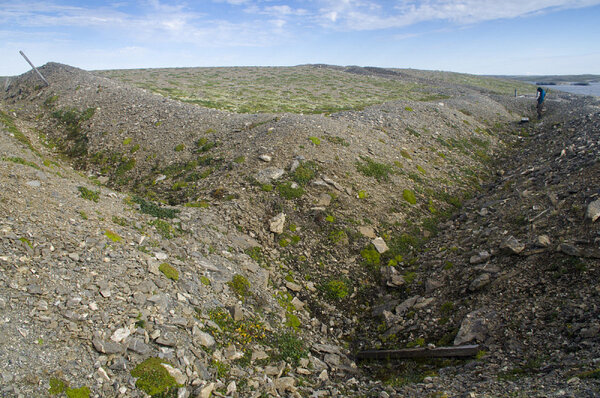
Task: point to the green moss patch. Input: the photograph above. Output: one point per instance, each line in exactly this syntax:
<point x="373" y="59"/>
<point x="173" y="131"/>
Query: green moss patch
<point x="112" y="236"/>
<point x="409" y="196"/>
<point x="368" y="167"/>
<point x="289" y="193"/>
<point x="89" y="194"/>
<point x="169" y="271"/>
<point x="335" y="289"/>
<point x="153" y="378"/>
<point x="240" y="286"/>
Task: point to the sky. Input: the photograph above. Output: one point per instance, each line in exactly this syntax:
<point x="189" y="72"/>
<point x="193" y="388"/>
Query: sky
<point x="501" y="37"/>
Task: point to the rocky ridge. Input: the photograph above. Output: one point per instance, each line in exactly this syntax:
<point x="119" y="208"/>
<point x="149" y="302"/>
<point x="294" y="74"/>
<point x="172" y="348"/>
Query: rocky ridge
<point x="246" y="291"/>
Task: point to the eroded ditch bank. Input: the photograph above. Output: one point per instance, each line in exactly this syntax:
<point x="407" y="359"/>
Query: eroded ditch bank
<point x="267" y="248"/>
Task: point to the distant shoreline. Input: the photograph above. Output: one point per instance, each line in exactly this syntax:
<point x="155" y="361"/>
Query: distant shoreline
<point x="591" y="88"/>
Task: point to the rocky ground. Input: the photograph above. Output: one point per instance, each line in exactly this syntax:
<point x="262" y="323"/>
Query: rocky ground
<point x="150" y="246"/>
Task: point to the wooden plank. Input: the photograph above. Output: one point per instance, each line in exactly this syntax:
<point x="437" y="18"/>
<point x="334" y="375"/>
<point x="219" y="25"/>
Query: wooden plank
<point x="34" y="68"/>
<point x="407" y="353"/>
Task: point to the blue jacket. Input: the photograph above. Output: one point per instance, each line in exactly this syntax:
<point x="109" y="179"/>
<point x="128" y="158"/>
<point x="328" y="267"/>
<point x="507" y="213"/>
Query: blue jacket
<point x="542" y="94"/>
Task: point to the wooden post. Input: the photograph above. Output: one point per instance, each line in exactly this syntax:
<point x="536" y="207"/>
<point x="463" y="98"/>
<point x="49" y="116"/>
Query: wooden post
<point x="411" y="353"/>
<point x="34" y="68"/>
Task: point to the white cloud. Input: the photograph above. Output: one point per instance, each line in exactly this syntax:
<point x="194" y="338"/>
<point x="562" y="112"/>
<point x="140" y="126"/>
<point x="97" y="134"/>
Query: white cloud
<point x="367" y="15"/>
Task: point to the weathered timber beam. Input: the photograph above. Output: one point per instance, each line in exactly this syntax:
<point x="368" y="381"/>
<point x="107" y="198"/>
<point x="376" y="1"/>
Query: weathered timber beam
<point x="407" y="353"/>
<point x="34" y="68"/>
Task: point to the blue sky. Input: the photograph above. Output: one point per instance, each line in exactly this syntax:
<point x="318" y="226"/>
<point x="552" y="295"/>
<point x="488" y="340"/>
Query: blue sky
<point x="471" y="36"/>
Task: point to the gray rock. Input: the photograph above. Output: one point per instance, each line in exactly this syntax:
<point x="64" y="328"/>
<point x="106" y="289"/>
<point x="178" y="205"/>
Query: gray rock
<point x="333" y="360"/>
<point x="543" y="241"/>
<point x="406" y="304"/>
<point x="293" y="286"/>
<point x="479" y="282"/>
<point x="277" y="223"/>
<point x="369" y="232"/>
<point x="179" y="377"/>
<point x="569" y="249"/>
<point x="107" y="347"/>
<point x="328" y="348"/>
<point x="380" y="245"/>
<point x="120" y="334"/>
<point x="324" y="200"/>
<point x="593" y="211"/>
<point x="512" y="245"/>
<point x="285" y="384"/>
<point x="265" y="158"/>
<point x="34" y="184"/>
<point x="265" y="176"/>
<point x="473" y="327"/>
<point x="432" y="285"/>
<point x="74" y="256"/>
<point x="297" y="303"/>
<point x="138" y="346"/>
<point x="295" y="164"/>
<point x="206" y="339"/>
<point x="119" y="364"/>
<point x="167" y="340"/>
<point x="34" y="289"/>
<point x="480" y="257"/>
<point x="236" y="312"/>
<point x="590" y="332"/>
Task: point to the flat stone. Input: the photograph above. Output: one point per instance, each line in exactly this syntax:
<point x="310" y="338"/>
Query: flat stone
<point x="207" y="390"/>
<point x="297" y="303"/>
<point x="231" y="388"/>
<point x="512" y="245"/>
<point x="323" y="376"/>
<point x="34" y="289"/>
<point x="266" y="176"/>
<point x="473" y="327"/>
<point x="406" y="304"/>
<point x="138" y="346"/>
<point x="285" y="384"/>
<point x="480" y="257"/>
<point x="34" y="184"/>
<point x="329" y="348"/>
<point x="332" y="360"/>
<point x="120" y="335"/>
<point x="380" y="245"/>
<point x="179" y="377"/>
<point x="265" y="158"/>
<point x="593" y="211"/>
<point x="236" y="312"/>
<point x="324" y="200"/>
<point x="74" y="256"/>
<point x="277" y="223"/>
<point x="369" y="232"/>
<point x="543" y="241"/>
<point x="569" y="249"/>
<point x="161" y="256"/>
<point x="293" y="286"/>
<point x="206" y="339"/>
<point x="107" y="347"/>
<point x="479" y="282"/>
<point x="166" y="340"/>
<point x="258" y="355"/>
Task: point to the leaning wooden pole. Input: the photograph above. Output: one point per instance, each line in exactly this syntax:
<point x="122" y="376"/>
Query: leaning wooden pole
<point x="34" y="68"/>
<point x="411" y="353"/>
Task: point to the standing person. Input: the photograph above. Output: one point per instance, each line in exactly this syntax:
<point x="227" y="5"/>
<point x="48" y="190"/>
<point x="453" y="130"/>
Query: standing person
<point x="541" y="95"/>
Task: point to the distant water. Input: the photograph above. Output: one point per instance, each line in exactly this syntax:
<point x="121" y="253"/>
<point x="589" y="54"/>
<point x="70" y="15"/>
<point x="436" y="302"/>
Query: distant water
<point x="592" y="89"/>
